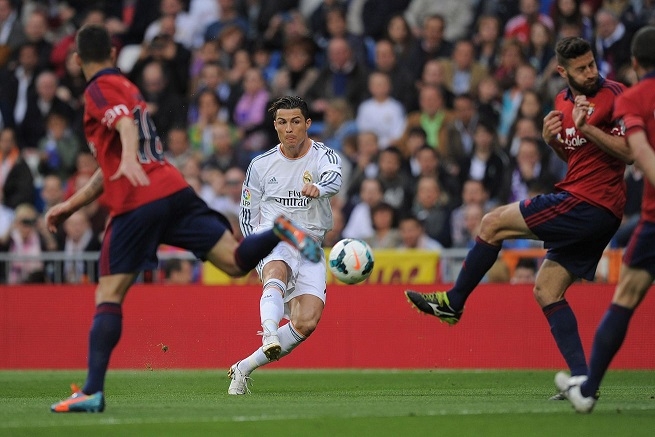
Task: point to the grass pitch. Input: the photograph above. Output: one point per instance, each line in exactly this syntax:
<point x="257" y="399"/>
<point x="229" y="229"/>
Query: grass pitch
<point x="327" y="403"/>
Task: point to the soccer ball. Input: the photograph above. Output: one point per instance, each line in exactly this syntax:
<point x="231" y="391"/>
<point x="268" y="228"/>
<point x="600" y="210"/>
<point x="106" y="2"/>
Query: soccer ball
<point x="351" y="261"/>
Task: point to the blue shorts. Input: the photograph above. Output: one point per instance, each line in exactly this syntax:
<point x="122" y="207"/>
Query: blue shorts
<point x="640" y="252"/>
<point x="182" y="220"/>
<point x="575" y="232"/>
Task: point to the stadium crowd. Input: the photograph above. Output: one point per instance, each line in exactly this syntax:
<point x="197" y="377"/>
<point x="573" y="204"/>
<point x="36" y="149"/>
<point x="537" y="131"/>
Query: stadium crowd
<point x="436" y="107"/>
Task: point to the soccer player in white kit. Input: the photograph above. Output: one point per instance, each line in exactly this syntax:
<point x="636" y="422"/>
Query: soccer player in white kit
<point x="297" y="177"/>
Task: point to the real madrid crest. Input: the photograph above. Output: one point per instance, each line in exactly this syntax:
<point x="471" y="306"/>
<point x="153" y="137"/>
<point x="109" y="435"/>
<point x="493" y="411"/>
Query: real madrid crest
<point x="307" y="177"/>
<point x="590" y="109"/>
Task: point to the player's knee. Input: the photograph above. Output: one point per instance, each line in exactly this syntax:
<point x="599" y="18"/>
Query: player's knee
<point x="305" y="326"/>
<point x="489" y="226"/>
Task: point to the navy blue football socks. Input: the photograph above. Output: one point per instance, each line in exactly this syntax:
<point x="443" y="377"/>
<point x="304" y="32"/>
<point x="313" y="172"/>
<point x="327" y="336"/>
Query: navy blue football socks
<point x="477" y="263"/>
<point x="608" y="340"/>
<point x="105" y="333"/>
<point x="564" y="327"/>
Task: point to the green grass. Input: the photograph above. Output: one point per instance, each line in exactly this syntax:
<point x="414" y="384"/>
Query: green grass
<point x="327" y="403"/>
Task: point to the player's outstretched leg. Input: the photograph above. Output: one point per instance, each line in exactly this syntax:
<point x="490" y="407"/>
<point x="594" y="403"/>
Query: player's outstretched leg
<point x="297" y="237"/>
<point x="435" y="304"/>
<point x="79" y="402"/>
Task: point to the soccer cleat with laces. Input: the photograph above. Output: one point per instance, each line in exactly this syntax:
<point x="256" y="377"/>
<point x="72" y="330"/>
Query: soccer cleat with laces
<point x="298" y="238"/>
<point x="569" y="386"/>
<point x="79" y="402"/>
<point x="435" y="304"/>
<point x="240" y="381"/>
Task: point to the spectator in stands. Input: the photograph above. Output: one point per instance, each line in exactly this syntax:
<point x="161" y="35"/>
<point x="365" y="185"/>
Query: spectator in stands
<point x="462" y="73"/>
<point x="540" y="52"/>
<point x="85" y="164"/>
<point x="365" y="164"/>
<point x="430" y="45"/>
<point x="413" y="236"/>
<point x="18" y="86"/>
<point x="489" y="100"/>
<point x="360" y="223"/>
<point x="207" y="55"/>
<point x="230" y="202"/>
<point x="224" y="155"/>
<point x="200" y="132"/>
<point x="470" y="226"/>
<point x="396" y="183"/>
<point x="473" y="193"/>
<point x="488" y="163"/>
<point x="39" y="106"/>
<point x="386" y="235"/>
<point x="174" y="58"/>
<point x="487" y="40"/>
<point x="528" y="170"/>
<point x="16" y="179"/>
<point x="527" y="122"/>
<point x="511" y="57"/>
<point x="36" y="30"/>
<point x="431" y="208"/>
<point x="343" y="77"/>
<point x="70" y="91"/>
<point x="381" y="113"/>
<point x="11" y="31"/>
<point x="166" y="106"/>
<point x="79" y="239"/>
<point x="525" y="271"/>
<point x="399" y="33"/>
<point x="458" y="15"/>
<point x="178" y="149"/>
<point x="298" y="72"/>
<point x="402" y="82"/>
<point x="338" y="222"/>
<point x="96" y="211"/>
<point x="612" y="43"/>
<point x="230" y="16"/>
<point x="339" y="123"/>
<point x="59" y="147"/>
<point x="178" y="271"/>
<point x="52" y="192"/>
<point x="182" y="22"/>
<point x="432" y="116"/>
<point x="27" y="237"/>
<point x="569" y="12"/>
<point x="212" y="77"/>
<point x="250" y="114"/>
<point x="459" y="134"/>
<point x="518" y="27"/>
<point x="432" y="75"/>
<point x="525" y="79"/>
<point x="63" y="47"/>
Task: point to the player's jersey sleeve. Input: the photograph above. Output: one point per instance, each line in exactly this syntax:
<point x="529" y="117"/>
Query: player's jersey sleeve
<point x="106" y="103"/>
<point x="629" y="119"/>
<point x="251" y="195"/>
<point x="330" y="180"/>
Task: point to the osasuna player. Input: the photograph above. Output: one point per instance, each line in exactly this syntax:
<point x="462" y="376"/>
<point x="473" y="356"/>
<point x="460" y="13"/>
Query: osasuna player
<point x="636" y="109"/>
<point x="150" y="203"/>
<point x="295" y="178"/>
<point x="575" y="222"/>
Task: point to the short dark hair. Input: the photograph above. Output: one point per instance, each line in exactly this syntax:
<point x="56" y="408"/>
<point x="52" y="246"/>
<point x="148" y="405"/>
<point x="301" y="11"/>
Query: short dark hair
<point x="93" y="43"/>
<point x="290" y="102"/>
<point x="643" y="47"/>
<point x="570" y="48"/>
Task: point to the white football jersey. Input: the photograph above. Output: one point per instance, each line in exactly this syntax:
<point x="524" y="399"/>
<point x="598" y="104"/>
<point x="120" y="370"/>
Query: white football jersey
<point x="273" y="184"/>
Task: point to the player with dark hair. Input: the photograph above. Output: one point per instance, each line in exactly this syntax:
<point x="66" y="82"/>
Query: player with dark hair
<point x="296" y="178"/>
<point x="150" y="204"/>
<point x="576" y="222"/>
<point x="635" y="108"/>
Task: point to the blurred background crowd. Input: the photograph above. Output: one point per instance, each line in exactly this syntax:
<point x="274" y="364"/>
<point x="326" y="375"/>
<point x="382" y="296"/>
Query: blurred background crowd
<point x="435" y="106"/>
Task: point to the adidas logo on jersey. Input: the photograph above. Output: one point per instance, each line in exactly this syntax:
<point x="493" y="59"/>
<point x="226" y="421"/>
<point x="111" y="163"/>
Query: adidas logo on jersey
<point x="272" y="181"/>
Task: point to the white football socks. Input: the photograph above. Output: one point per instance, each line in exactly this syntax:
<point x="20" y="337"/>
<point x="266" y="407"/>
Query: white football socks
<point x="289" y="339"/>
<point x="271" y="304"/>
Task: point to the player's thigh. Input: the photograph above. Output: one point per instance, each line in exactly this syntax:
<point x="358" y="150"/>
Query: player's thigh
<point x="113" y="288"/>
<point x="305" y="312"/>
<point x="551" y="283"/>
<point x="503" y="223"/>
